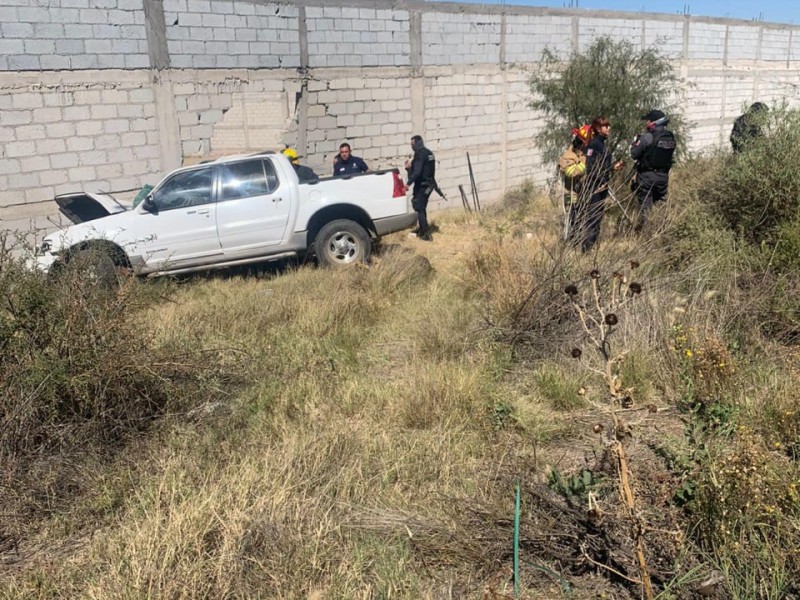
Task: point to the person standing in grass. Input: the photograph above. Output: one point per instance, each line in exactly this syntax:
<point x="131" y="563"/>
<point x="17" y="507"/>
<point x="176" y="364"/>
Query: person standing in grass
<point x="653" y="152"/>
<point x="599" y="168"/>
<point x="748" y="127"/>
<point x="421" y="171"/>
<point x="572" y="166"/>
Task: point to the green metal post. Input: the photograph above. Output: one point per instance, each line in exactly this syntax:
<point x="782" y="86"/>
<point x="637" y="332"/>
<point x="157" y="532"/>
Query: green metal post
<point x="516" y="544"/>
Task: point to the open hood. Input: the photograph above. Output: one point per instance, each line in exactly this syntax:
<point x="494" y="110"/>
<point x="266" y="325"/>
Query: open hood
<point x="84" y="206"/>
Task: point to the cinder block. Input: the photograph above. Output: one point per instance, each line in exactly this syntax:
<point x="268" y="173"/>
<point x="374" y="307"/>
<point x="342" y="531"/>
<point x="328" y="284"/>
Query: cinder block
<point x="11" y="29"/>
<point x="93" y="15"/>
<point x="110" y="171"/>
<point x="199" y="6"/>
<point x="9" y="166"/>
<point x="89" y="127"/>
<point x="31" y="14"/>
<point x="17" y="149"/>
<point x="35" y="163"/>
<point x="50" y="146"/>
<point x="92" y="158"/>
<point x="82" y="174"/>
<point x="80" y="144"/>
<point x="26" y="100"/>
<point x="61" y="130"/>
<point x="53" y="177"/>
<point x="85" y="61"/>
<point x="121" y="17"/>
<point x="47" y="115"/>
<point x="116" y="126"/>
<point x="63" y="161"/>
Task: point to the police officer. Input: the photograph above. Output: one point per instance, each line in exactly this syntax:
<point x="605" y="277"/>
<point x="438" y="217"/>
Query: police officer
<point x="346" y="164"/>
<point x="653" y="152"/>
<point x="748" y="127"/>
<point x="422" y="174"/>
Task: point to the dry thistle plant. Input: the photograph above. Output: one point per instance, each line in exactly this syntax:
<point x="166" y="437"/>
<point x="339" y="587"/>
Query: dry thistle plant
<point x="598" y="311"/>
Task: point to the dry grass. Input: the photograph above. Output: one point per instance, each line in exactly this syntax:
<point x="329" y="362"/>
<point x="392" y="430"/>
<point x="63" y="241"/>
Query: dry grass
<point x="382" y="417"/>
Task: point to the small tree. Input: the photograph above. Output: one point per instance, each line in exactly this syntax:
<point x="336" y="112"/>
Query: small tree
<point x="611" y="79"/>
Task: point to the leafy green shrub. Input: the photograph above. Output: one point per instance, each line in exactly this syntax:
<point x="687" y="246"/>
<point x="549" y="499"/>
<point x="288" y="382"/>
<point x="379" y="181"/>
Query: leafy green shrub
<point x="611" y="78"/>
<point x="759" y="189"/>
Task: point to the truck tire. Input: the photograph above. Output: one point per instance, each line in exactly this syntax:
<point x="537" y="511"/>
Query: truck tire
<point x="342" y="243"/>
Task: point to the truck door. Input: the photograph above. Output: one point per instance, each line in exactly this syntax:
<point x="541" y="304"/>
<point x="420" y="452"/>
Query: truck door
<point x="180" y="230"/>
<point x="253" y="208"/>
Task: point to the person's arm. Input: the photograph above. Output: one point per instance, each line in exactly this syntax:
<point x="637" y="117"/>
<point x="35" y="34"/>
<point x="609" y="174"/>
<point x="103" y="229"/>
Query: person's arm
<point x="415" y="172"/>
<point x="362" y="165"/>
<point x="640" y="144"/>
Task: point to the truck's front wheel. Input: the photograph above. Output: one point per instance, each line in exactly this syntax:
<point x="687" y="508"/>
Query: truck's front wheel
<point x="341" y="243"/>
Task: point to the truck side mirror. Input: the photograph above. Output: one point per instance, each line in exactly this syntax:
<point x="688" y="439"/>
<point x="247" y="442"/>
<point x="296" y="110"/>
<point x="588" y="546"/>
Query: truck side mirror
<point x="148" y="204"/>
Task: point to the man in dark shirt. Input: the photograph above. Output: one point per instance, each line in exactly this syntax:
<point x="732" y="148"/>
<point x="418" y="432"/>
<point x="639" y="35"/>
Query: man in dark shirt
<point x="304" y="174"/>
<point x="653" y="152"/>
<point x="347" y="164"/>
<point x="422" y="174"/>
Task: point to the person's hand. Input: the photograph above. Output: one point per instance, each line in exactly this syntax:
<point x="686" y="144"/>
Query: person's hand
<point x="407" y="187"/>
<point x="618" y="165"/>
<point x="408" y="164"/>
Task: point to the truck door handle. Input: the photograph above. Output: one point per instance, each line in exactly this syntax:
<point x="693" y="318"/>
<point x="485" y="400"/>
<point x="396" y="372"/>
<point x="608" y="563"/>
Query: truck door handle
<point x="202" y="212"/>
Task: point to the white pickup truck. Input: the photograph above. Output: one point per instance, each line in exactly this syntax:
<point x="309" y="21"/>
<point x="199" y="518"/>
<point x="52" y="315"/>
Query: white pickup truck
<point x="232" y="211"/>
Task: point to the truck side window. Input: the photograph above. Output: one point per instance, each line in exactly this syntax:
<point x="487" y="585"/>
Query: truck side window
<point x="186" y="189"/>
<point x="272" y="176"/>
<point x="245" y="179"/>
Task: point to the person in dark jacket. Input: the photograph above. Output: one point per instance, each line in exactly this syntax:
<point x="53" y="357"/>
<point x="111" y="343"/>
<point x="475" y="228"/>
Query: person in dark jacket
<point x="304" y="174"/>
<point x="599" y="167"/>
<point x="653" y="152"/>
<point x="747" y="127"/>
<point x="346" y="164"/>
<point x="422" y="174"/>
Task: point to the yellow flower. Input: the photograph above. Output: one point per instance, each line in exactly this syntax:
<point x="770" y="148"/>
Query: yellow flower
<point x="688" y="353"/>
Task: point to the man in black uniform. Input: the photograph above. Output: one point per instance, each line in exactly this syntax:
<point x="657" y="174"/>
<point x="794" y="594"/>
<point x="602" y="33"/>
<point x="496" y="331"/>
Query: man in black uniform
<point x="747" y="127"/>
<point x="653" y="151"/>
<point x="422" y="173"/>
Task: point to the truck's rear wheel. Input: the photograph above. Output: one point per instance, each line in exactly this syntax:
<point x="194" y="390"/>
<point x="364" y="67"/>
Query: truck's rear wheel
<point x="341" y="243"/>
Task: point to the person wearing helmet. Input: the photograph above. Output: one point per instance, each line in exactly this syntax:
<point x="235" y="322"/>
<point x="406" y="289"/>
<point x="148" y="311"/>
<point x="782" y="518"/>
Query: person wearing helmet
<point x="748" y="127"/>
<point x="572" y="166"/>
<point x="304" y="174"/>
<point x="653" y="152"/>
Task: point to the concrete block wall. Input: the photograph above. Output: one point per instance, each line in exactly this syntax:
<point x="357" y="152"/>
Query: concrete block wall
<point x="527" y="36"/>
<point x="101" y="134"/>
<point x="222" y="34"/>
<point x="72" y="34"/>
<point x="629" y="30"/>
<point x="340" y="36"/>
<point x="454" y="38"/>
<point x="372" y="114"/>
<point x="111" y="94"/>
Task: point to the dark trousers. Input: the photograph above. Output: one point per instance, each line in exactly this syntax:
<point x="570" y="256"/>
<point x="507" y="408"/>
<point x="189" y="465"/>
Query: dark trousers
<point x="651" y="187"/>
<point x="592" y="219"/>
<point x="419" y="202"/>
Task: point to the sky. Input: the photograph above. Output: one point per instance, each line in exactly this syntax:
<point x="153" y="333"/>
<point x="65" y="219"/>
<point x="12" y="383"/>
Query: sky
<point x="776" y="11"/>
